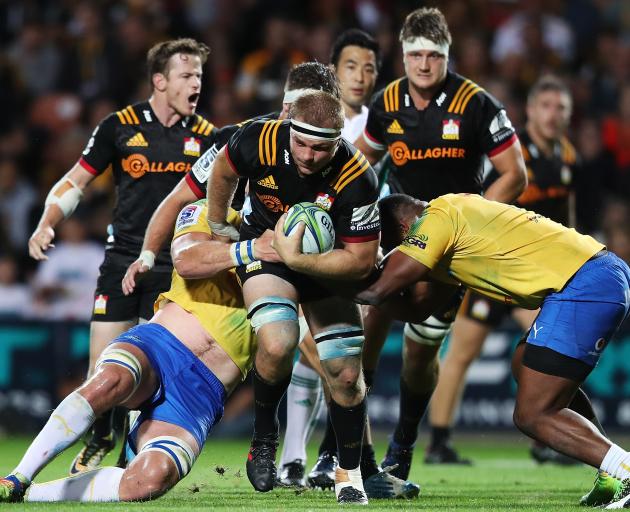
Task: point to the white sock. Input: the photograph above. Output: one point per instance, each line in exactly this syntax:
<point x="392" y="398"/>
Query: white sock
<point x="304" y="398"/>
<point x="348" y="478"/>
<point x="67" y="423"/>
<point x="616" y="462"/>
<point x="100" y="484"/>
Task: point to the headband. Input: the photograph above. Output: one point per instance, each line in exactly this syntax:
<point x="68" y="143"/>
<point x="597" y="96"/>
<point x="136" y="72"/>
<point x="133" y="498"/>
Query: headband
<point x="422" y="43"/>
<point x="315" y="132"/>
<point x="291" y="95"/>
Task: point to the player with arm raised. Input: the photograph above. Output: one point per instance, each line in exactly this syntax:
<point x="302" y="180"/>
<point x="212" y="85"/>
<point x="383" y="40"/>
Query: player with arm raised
<point x="149" y="146"/>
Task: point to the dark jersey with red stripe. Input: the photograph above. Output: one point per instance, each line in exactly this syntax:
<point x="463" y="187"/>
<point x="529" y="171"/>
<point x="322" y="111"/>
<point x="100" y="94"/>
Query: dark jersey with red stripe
<point x="438" y="150"/>
<point x="347" y="187"/>
<point x="550" y="179"/>
<point x="147" y="159"/>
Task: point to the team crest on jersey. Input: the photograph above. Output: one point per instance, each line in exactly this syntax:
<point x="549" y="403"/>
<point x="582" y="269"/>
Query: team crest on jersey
<point x="192" y="146"/>
<point x="324" y="201"/>
<point x="188" y="216"/>
<point x="100" y="304"/>
<point x="395" y="128"/>
<point x="268" y="182"/>
<point x="138" y="140"/>
<point x="450" y="129"/>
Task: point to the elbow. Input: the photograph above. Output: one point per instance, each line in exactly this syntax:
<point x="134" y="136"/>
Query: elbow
<point x="184" y="267"/>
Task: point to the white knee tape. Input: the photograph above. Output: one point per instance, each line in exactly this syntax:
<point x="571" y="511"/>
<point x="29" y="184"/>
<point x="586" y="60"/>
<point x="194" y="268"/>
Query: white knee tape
<point x="268" y="310"/>
<point x="343" y="342"/>
<point x="174" y="448"/>
<point x="122" y="358"/>
<point x="430" y="332"/>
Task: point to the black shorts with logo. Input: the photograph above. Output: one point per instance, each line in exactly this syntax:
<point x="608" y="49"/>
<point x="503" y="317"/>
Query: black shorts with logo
<point x="485" y="310"/>
<point x="111" y="305"/>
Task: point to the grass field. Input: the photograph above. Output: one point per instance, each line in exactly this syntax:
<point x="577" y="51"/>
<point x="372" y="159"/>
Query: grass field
<point x="503" y="478"/>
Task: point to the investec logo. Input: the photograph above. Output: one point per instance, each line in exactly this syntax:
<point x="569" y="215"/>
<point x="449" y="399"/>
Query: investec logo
<point x="137" y="165"/>
<point x="401" y="153"/>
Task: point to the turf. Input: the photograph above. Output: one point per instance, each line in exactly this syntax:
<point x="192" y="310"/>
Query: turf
<point x="503" y="479"/>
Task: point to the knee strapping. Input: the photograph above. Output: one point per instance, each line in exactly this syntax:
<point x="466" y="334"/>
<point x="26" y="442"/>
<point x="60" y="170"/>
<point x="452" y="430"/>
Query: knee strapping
<point x="272" y="309"/>
<point x="342" y="342"/>
<point x="431" y="332"/>
<point x="122" y="358"/>
<point x="174" y="448"/>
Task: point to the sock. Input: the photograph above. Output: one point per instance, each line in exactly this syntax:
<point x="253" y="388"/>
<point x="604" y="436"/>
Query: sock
<point x="348" y="478"/>
<point x="616" y="462"/>
<point x="303" y="401"/>
<point x="349" y="423"/>
<point x="67" y="423"/>
<point x="329" y="443"/>
<point x="368" y="464"/>
<point x="102" y="427"/>
<point x="267" y="397"/>
<point x="412" y="408"/>
<point x="440" y="436"/>
<point x="101" y="484"/>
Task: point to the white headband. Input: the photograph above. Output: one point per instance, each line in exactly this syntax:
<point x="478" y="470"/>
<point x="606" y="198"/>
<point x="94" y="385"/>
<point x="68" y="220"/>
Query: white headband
<point x="294" y="94"/>
<point x="315" y="132"/>
<point x="422" y="43"/>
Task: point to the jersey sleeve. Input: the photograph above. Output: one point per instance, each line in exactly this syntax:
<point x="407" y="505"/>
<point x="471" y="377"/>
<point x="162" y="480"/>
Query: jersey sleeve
<point x="373" y="131"/>
<point x="194" y="219"/>
<point x="101" y="148"/>
<point x="430" y="238"/>
<point x="359" y="220"/>
<point x="493" y="127"/>
<point x="242" y="150"/>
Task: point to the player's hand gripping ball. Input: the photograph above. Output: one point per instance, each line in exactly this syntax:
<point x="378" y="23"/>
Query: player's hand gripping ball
<point x="319" y="235"/>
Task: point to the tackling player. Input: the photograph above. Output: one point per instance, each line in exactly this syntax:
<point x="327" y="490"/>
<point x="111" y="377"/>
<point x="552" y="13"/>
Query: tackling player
<point x="177" y="370"/>
<point x="551" y="165"/>
<point x="437" y="126"/>
<point x="149" y="146"/>
<point x="519" y="257"/>
<point x="303" y="159"/>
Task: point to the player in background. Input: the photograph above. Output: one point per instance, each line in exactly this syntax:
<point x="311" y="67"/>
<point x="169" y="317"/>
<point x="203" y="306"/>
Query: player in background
<point x="149" y="146"/>
<point x="355" y="59"/>
<point x="306" y="76"/>
<point x="517" y="256"/>
<point x="177" y="369"/>
<point x="304" y="159"/>
<point x="551" y="165"/>
<point x="437" y="126"/>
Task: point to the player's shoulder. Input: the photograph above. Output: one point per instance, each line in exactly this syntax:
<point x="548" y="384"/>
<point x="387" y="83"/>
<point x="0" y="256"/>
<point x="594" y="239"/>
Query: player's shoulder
<point x="569" y="153"/>
<point x="354" y="171"/>
<point x="265" y="136"/>
<point x="127" y="116"/>
<point x="466" y="95"/>
<point x="192" y="217"/>
<point x="389" y="98"/>
<point x="224" y="133"/>
<point x="201" y="126"/>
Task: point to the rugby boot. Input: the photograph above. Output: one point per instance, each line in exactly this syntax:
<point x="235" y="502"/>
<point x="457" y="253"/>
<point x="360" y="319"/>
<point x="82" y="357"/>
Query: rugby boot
<point x="399" y="456"/>
<point x="322" y="476"/>
<point x="13" y="487"/>
<point x="349" y="487"/>
<point x="261" y="462"/>
<point x="92" y="454"/>
<point x="292" y="474"/>
<point x="603" y="491"/>
<point x="621" y="499"/>
<point x="384" y="485"/>
<point x="444" y="454"/>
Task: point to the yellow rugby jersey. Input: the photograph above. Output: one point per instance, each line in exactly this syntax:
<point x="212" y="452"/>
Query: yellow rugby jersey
<point x="216" y="302"/>
<point x="501" y="251"/>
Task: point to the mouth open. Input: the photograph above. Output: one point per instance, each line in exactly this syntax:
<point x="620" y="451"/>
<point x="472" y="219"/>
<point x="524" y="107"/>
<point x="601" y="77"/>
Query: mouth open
<point x="193" y="99"/>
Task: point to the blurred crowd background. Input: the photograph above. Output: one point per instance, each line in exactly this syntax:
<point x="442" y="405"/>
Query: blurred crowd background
<point x="65" y="64"/>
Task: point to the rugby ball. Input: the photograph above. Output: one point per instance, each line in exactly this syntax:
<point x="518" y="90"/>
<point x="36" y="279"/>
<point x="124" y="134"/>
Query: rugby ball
<point x="319" y="235"/>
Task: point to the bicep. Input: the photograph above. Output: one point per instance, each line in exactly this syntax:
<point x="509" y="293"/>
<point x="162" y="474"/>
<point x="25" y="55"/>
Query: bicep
<point x="80" y="175"/>
<point x="372" y="154"/>
<point x="510" y="160"/>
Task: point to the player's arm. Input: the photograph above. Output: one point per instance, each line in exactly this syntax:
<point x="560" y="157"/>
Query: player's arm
<point x="371" y="151"/>
<point x="512" y="178"/>
<point x="158" y="230"/>
<point x="222" y="183"/>
<point x="61" y="201"/>
<point x="399" y="272"/>
<point x="352" y="262"/>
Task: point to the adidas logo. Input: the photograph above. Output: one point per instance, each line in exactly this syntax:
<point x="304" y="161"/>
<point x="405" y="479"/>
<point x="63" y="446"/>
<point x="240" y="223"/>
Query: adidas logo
<point x="268" y="182"/>
<point x="395" y="128"/>
<point x="138" y="140"/>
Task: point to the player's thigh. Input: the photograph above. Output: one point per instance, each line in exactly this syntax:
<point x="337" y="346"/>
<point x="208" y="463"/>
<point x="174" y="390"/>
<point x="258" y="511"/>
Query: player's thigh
<point x="377" y="324"/>
<point x="467" y="338"/>
<point x="102" y="334"/>
<point x="525" y="317"/>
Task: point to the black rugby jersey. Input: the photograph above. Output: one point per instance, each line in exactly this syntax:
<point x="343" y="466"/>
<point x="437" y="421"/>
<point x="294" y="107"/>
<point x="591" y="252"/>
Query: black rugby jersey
<point x="148" y="160"/>
<point x="550" y="179"/>
<point x="438" y="150"/>
<point x="347" y="187"/>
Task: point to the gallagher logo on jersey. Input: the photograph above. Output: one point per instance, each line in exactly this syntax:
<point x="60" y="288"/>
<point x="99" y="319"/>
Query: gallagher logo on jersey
<point x="192" y="146"/>
<point x="450" y="129"/>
